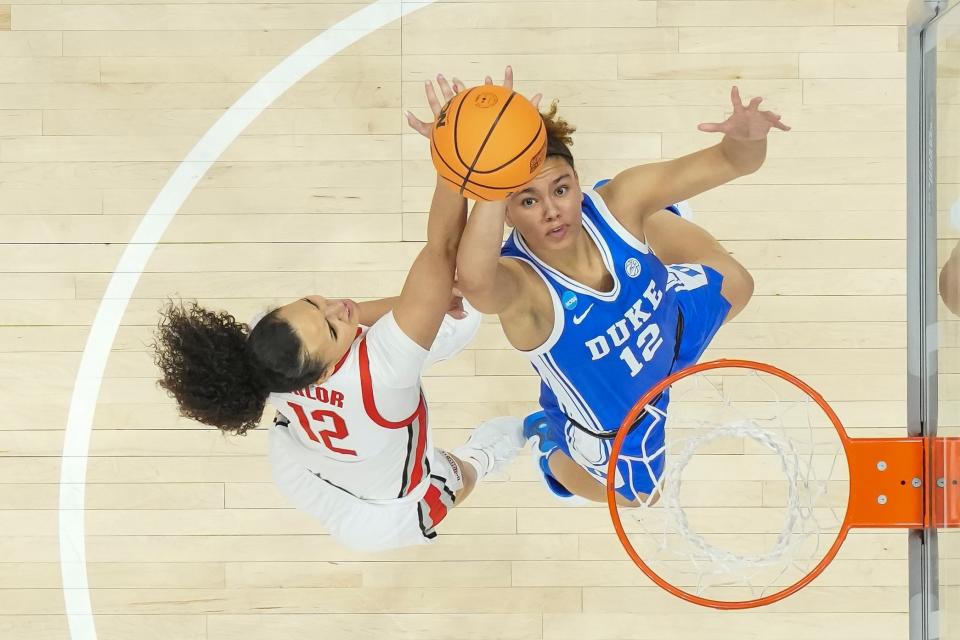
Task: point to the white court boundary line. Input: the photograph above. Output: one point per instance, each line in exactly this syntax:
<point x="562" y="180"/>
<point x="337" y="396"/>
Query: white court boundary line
<point x="86" y="390"/>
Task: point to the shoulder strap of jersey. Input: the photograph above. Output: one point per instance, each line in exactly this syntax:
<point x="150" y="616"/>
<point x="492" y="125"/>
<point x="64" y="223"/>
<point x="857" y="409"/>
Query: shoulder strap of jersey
<point x="511" y="247"/>
<point x="600" y="214"/>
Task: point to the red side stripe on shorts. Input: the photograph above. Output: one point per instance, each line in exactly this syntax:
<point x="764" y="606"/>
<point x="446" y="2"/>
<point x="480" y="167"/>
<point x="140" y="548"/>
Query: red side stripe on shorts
<point x="438" y="510"/>
<point x="419" y="463"/>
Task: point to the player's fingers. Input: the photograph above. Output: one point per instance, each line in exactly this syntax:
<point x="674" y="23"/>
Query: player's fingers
<point x="423" y="128"/>
<point x="712" y="127"/>
<point x="456" y="306"/>
<point x="535" y="100"/>
<point x="735" y="98"/>
<point x="445" y="89"/>
<point x="755" y="103"/>
<point x="775" y="120"/>
<point x="508" y="77"/>
<point x="458" y="85"/>
<point x="488" y="80"/>
<point x="432" y="99"/>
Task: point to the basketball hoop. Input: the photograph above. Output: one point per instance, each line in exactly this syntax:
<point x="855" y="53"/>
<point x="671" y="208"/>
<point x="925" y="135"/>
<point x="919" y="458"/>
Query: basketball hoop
<point x="885" y="486"/>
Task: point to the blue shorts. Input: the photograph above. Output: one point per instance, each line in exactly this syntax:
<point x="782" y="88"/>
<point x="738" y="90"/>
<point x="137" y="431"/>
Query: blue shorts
<point x="641" y="460"/>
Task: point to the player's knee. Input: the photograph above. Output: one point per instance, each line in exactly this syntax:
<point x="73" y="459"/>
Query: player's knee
<point x="574" y="478"/>
<point x="747" y="284"/>
<point x="737" y="288"/>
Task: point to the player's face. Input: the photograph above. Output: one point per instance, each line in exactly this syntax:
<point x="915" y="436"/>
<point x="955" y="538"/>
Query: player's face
<point x="326" y="326"/>
<point x="547" y="211"/>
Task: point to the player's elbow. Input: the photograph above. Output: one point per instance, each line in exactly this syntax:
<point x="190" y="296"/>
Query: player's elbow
<point x="478" y="292"/>
<point x="748" y="286"/>
<point x="471" y="276"/>
<point x="484" y="301"/>
<point x="470" y="286"/>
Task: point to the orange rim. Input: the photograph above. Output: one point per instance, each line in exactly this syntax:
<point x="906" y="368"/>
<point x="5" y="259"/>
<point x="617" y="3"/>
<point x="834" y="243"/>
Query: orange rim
<point x="615" y="514"/>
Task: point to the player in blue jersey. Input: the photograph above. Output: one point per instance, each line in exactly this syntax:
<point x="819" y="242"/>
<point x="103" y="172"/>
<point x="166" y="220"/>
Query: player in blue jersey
<point x="607" y="291"/>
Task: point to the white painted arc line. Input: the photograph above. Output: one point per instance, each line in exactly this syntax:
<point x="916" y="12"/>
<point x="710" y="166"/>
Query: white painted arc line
<point x="86" y="390"/>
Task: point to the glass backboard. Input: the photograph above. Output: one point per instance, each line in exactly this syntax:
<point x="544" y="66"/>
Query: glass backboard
<point x="946" y="553"/>
<point x="938" y="404"/>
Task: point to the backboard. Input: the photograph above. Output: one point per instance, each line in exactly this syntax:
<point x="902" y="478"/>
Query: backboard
<point x="933" y="300"/>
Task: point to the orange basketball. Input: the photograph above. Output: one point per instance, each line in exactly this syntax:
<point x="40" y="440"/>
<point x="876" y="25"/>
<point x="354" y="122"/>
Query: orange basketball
<point x="488" y="142"/>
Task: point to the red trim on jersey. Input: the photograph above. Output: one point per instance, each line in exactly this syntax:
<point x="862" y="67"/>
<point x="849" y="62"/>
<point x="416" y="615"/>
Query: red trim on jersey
<point x="438" y="510"/>
<point x="366" y="387"/>
<point x="347" y="353"/>
<point x="418" y="419"/>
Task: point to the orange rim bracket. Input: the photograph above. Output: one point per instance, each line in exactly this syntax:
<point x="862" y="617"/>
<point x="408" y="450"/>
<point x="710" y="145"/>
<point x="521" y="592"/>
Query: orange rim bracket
<point x="943" y="474"/>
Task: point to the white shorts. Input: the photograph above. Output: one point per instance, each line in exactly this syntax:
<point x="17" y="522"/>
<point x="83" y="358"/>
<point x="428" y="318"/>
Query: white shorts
<point x="367" y="525"/>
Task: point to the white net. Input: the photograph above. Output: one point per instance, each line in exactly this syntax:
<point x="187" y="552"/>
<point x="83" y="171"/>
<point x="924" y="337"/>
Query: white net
<point x="753" y="491"/>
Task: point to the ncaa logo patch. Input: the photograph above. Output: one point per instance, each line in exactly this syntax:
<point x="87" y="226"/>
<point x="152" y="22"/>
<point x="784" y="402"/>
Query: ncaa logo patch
<point x="569" y="300"/>
<point x="632" y="267"/>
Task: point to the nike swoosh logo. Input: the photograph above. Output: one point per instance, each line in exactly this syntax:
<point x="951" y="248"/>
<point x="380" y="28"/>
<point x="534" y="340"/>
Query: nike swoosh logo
<point x="578" y="319"/>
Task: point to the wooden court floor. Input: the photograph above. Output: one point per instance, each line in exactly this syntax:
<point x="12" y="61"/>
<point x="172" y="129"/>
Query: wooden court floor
<point x="326" y="192"/>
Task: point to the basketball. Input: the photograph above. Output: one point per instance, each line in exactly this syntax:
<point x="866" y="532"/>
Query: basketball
<point x="488" y="141"/>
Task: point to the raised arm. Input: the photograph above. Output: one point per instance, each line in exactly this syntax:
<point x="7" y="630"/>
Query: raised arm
<point x="373" y="310"/>
<point x="490" y="283"/>
<point x="427" y="291"/>
<point x="645" y="189"/>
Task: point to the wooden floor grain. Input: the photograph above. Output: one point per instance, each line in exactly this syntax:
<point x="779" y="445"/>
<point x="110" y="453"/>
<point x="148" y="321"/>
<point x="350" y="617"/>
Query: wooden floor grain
<point x="326" y="192"/>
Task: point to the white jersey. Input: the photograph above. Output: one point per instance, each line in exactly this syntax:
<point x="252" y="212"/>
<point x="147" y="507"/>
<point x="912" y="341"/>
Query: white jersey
<point x="364" y="430"/>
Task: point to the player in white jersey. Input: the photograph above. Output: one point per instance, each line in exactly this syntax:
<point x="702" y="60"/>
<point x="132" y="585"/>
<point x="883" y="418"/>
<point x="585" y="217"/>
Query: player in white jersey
<point x="350" y="444"/>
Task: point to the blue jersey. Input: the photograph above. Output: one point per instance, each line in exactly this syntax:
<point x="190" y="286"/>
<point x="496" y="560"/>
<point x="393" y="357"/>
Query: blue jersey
<point x="607" y="348"/>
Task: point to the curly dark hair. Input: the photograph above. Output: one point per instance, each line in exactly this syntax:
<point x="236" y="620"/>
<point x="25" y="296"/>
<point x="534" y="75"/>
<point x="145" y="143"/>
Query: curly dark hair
<point x="559" y="135"/>
<point x="220" y="372"/>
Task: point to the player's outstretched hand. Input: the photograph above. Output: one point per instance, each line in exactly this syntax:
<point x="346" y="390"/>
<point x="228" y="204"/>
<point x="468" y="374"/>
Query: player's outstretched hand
<point x="447" y="90"/>
<point x="746" y="122"/>
<point x="508" y="84"/>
